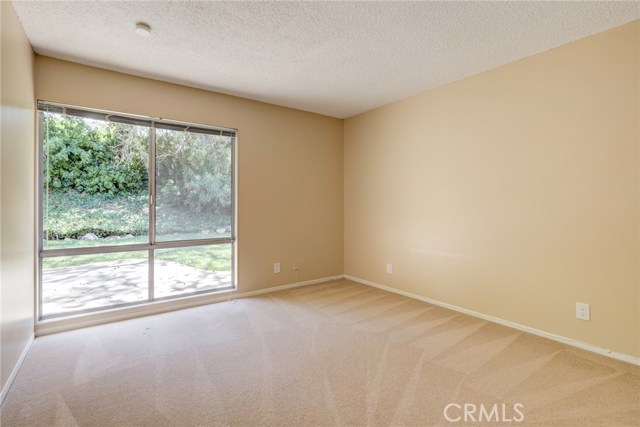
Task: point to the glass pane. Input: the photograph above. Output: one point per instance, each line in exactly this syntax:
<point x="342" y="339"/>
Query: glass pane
<point x="193" y="185"/>
<point x="183" y="271"/>
<point x="95" y="182"/>
<point x="81" y="282"/>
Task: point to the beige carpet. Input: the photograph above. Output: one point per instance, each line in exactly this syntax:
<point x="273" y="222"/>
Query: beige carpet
<point x="337" y="354"/>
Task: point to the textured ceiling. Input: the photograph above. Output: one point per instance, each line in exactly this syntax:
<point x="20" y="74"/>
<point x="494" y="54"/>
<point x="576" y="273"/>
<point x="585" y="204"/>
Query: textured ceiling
<point x="333" y="58"/>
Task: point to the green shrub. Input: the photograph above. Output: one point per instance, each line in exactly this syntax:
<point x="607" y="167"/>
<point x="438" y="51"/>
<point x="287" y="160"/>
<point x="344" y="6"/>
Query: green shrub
<point x="72" y="214"/>
<point x="104" y="159"/>
<point x="194" y="171"/>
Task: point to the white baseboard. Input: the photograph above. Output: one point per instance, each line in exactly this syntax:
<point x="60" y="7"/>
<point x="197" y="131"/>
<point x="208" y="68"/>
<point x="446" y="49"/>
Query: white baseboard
<point x="574" y="343"/>
<point x="289" y="286"/>
<point x="16" y="368"/>
<point x="114" y="315"/>
<point x="52" y="326"/>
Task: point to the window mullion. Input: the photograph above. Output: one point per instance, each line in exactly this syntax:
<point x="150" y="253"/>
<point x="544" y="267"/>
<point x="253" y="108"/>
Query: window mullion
<point x="152" y="208"/>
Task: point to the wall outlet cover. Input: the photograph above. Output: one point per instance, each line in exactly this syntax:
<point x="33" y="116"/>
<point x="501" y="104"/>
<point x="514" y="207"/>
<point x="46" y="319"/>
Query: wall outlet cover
<point x="583" y="311"/>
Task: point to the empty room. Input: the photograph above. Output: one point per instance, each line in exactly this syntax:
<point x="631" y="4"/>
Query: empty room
<point x="331" y="213"/>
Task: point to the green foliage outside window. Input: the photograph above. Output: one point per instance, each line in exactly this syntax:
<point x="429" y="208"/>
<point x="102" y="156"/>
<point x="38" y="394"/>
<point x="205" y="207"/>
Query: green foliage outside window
<point x="96" y="180"/>
<point x="105" y="159"/>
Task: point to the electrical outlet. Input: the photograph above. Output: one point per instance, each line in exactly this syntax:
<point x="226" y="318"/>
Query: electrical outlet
<point x="389" y="268"/>
<point x="296" y="265"/>
<point x="276" y="267"/>
<point x="582" y="311"/>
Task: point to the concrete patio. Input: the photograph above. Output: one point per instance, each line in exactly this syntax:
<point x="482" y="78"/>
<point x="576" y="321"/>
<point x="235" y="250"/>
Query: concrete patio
<point x="105" y="284"/>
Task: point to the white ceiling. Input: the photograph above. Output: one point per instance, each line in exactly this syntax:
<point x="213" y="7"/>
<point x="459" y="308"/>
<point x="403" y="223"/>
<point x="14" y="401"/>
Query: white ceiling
<point x="333" y="58"/>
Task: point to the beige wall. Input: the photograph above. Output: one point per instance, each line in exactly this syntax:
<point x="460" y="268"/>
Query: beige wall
<point x="290" y="179"/>
<point x="17" y="162"/>
<point x="514" y="193"/>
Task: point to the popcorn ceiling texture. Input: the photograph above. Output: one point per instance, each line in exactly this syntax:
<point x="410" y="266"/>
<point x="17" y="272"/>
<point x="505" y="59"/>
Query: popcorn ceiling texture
<point x="334" y="58"/>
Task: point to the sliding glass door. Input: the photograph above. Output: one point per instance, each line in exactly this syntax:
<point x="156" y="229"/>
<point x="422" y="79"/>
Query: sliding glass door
<point x="132" y="209"/>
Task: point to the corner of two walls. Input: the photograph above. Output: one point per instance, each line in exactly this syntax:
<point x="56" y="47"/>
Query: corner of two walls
<point x="513" y="193"/>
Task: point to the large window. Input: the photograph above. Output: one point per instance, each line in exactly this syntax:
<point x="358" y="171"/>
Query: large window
<point x="132" y="209"/>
